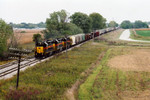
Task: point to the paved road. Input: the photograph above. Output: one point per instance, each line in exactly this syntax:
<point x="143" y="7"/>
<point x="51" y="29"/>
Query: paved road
<point x="126" y="36"/>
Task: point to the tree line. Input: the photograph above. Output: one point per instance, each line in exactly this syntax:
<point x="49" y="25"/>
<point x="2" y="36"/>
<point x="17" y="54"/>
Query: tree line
<point x="137" y="24"/>
<point x="28" y="25"/>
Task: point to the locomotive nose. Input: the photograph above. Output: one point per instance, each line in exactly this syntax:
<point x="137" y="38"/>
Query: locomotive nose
<point x="39" y="49"/>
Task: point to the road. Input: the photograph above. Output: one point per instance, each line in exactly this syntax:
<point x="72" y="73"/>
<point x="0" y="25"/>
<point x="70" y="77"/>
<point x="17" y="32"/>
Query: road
<point x="126" y="36"/>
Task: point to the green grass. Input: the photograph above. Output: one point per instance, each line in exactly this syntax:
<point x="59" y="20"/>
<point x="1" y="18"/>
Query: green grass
<point x="145" y="33"/>
<point x="109" y="84"/>
<point x="50" y="79"/>
<point x="140" y="35"/>
<point x="84" y="90"/>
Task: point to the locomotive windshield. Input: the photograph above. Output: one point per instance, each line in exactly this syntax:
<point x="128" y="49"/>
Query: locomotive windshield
<point x="41" y="44"/>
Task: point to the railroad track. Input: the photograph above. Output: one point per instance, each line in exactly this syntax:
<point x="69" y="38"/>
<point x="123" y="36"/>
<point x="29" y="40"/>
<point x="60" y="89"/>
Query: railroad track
<point x="7" y="70"/>
<point x="10" y="69"/>
<point x="8" y="64"/>
<point x="12" y="63"/>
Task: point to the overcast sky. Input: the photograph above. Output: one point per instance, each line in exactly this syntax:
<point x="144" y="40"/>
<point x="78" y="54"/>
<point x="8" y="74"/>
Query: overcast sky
<point x="34" y="11"/>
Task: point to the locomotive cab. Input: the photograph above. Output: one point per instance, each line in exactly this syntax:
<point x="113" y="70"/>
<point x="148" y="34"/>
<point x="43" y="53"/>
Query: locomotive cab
<point x="39" y="49"/>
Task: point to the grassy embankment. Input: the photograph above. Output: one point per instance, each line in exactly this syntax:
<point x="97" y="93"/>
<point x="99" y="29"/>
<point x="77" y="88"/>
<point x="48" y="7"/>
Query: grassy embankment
<point x="140" y="34"/>
<point x="50" y="79"/>
<point x="111" y="84"/>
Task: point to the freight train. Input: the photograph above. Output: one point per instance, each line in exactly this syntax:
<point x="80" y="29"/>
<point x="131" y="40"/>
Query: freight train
<point x="47" y="48"/>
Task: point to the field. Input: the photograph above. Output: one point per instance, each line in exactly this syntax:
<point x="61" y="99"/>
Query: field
<point x="123" y="74"/>
<point x="140" y="34"/>
<point x="106" y="69"/>
<point x="145" y="33"/>
<point x="111" y="82"/>
<point x="24" y="36"/>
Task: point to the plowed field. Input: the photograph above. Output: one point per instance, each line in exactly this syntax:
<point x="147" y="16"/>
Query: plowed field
<point x="138" y="60"/>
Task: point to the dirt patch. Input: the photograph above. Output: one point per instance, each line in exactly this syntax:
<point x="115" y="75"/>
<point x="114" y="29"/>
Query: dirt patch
<point x="138" y="60"/>
<point x="139" y="95"/>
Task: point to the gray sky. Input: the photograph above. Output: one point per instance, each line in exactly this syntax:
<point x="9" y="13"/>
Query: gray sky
<point x="35" y="11"/>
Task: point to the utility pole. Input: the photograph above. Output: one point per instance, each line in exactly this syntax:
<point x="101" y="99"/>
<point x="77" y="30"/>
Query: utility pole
<point x="17" y="54"/>
<point x="19" y="60"/>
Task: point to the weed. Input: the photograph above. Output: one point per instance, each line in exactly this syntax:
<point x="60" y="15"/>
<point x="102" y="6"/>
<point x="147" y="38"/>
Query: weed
<point x="22" y="93"/>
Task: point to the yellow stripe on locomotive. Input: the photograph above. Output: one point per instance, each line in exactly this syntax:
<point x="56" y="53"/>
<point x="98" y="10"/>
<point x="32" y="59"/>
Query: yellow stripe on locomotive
<point x="55" y="47"/>
<point x="40" y="49"/>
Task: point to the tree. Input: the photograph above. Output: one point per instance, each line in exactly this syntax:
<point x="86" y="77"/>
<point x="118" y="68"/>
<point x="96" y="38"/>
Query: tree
<point x="82" y="20"/>
<point x="140" y="24"/>
<point x="112" y="24"/>
<point x="5" y="32"/>
<point x="56" y="24"/>
<point x="73" y="29"/>
<point x="98" y="22"/>
<point x="37" y="37"/>
<point x="126" y="24"/>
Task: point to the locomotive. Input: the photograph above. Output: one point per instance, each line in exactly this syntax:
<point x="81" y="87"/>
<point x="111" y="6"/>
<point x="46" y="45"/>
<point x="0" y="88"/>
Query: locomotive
<point x="47" y="48"/>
